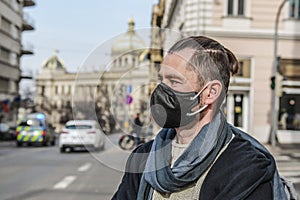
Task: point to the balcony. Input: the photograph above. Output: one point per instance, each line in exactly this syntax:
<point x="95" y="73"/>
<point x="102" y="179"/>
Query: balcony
<point x="27" y="49"/>
<point x="28" y="22"/>
<point x="27" y="3"/>
<point x="27" y="75"/>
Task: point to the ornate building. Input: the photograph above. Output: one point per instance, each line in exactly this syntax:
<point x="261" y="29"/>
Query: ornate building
<point x="112" y="96"/>
<point x="247" y="28"/>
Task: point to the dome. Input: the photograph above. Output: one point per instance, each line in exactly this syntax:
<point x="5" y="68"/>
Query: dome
<point x="128" y="41"/>
<point x="54" y="63"/>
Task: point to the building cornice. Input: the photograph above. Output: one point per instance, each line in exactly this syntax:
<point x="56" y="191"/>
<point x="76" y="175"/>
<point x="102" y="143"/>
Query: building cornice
<point x="255" y="34"/>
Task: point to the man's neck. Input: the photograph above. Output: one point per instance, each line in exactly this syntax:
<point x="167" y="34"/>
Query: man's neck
<point x="186" y="135"/>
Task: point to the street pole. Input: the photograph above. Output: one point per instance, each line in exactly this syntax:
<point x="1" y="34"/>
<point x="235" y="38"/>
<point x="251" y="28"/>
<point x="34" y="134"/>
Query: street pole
<point x="275" y="98"/>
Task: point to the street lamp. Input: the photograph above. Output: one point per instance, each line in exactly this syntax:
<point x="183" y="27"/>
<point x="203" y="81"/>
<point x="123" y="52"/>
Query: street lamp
<point x="275" y="98"/>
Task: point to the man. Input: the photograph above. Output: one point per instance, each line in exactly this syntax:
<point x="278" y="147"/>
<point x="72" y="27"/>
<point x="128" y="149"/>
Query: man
<point x="137" y="128"/>
<point x="197" y="154"/>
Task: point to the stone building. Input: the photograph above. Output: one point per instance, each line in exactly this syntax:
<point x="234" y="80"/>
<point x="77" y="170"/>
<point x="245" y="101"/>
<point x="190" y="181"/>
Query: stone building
<point x="111" y="96"/>
<point x="247" y="28"/>
<point x="13" y="22"/>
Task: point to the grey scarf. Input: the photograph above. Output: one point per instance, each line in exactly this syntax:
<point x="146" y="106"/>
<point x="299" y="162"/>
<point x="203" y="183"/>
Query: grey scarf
<point x="199" y="155"/>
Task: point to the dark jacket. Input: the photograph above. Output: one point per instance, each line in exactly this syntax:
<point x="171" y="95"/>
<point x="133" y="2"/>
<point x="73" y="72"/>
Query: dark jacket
<point x="242" y="171"/>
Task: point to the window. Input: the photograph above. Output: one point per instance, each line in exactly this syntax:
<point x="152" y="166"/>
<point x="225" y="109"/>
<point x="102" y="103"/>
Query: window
<point x="31" y="123"/>
<point x="15" y="32"/>
<point x="4" y="54"/>
<point x="14" y="59"/>
<point x="235" y="7"/>
<point x="230" y="7"/>
<point x="4" y="85"/>
<point x="295" y="9"/>
<point x="42" y="90"/>
<point x="241" y="7"/>
<point x="245" y="68"/>
<point x="5" y="24"/>
<point x="77" y="126"/>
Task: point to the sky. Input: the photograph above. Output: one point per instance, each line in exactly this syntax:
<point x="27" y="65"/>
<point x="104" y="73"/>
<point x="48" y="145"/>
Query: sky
<point x="77" y="27"/>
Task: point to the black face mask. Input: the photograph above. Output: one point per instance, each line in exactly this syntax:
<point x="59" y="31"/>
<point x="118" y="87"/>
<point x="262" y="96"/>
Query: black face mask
<point x="172" y="109"/>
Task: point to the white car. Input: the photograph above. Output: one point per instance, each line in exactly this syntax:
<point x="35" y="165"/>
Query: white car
<point x="81" y="133"/>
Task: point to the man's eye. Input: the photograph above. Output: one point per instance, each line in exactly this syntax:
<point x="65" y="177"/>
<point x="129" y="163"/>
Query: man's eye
<point x="173" y="82"/>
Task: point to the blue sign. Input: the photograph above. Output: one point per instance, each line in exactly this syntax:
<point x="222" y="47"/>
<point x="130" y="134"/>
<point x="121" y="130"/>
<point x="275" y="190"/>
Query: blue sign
<point x="129" y="89"/>
<point x="129" y="99"/>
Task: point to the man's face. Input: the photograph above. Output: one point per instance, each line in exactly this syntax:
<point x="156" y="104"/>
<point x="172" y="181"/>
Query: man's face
<point x="174" y="72"/>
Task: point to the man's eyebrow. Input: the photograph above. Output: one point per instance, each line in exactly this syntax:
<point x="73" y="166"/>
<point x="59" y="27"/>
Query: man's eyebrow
<point x="172" y="76"/>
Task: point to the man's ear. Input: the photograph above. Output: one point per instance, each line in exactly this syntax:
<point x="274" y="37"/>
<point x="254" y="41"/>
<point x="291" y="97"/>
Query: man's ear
<point x="214" y="91"/>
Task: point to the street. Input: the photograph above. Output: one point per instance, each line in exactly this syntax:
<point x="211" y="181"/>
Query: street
<point x="43" y="173"/>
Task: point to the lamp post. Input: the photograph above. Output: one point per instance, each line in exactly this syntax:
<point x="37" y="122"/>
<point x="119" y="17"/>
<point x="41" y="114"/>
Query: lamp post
<point x="275" y="98"/>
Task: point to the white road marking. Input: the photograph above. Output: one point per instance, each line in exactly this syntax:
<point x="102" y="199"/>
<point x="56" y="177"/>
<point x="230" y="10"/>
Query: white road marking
<point x="64" y="183"/>
<point x="85" y="167"/>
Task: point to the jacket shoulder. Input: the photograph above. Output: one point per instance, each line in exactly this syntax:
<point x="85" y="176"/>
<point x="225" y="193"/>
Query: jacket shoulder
<point x="240" y="171"/>
<point x="135" y="165"/>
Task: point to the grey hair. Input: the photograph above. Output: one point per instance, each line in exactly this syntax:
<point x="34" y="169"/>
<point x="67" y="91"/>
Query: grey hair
<point x="210" y="59"/>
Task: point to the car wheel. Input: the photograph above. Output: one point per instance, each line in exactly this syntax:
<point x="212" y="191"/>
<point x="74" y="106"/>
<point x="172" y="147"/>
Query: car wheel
<point x="127" y="142"/>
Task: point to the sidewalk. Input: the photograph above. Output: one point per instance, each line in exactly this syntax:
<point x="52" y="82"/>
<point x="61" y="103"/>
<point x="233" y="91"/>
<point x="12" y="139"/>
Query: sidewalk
<point x="280" y="149"/>
<point x="287" y="157"/>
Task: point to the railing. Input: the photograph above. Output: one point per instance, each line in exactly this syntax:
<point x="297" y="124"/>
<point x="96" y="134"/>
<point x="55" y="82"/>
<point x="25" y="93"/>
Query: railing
<point x="27" y="48"/>
<point x="28" y="22"/>
<point x="28" y="3"/>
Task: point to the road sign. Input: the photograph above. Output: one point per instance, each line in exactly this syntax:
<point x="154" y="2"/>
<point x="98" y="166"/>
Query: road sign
<point x="129" y="99"/>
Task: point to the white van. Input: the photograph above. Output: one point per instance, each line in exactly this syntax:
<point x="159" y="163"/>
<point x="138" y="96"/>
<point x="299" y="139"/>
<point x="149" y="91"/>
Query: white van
<point x="81" y="133"/>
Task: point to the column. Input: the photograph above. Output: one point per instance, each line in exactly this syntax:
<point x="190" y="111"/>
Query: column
<point x="230" y="108"/>
<point x="245" y="111"/>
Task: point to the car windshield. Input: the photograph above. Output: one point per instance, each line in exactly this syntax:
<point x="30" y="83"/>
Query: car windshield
<point x="32" y="123"/>
<point x="78" y="126"/>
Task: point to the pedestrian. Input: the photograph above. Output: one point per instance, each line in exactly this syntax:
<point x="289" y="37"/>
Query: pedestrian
<point x="197" y="154"/>
<point x="137" y="128"/>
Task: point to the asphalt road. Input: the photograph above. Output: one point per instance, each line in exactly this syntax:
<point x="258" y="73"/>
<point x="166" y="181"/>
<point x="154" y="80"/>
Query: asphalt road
<point x="37" y="173"/>
<point x="43" y="173"/>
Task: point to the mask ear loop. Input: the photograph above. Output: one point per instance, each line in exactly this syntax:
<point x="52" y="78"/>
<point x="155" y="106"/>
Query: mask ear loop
<point x="193" y="98"/>
<point x="196" y="112"/>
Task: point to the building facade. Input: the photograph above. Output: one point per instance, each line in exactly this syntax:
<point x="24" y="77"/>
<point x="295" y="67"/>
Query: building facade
<point x="111" y="96"/>
<point x="247" y="28"/>
<point x="13" y="22"/>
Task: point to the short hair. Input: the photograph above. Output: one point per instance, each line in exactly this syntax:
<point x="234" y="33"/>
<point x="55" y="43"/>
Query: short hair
<point x="210" y="59"/>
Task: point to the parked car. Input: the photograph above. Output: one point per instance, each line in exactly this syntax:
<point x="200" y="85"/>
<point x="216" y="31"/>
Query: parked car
<point x="81" y="133"/>
<point x="6" y="132"/>
<point x="34" y="129"/>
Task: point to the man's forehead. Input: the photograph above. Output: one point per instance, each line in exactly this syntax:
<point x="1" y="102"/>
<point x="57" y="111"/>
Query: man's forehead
<point x="184" y="54"/>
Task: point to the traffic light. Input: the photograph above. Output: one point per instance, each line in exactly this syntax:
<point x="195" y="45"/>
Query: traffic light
<point x="278" y="84"/>
<point x="272" y="84"/>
